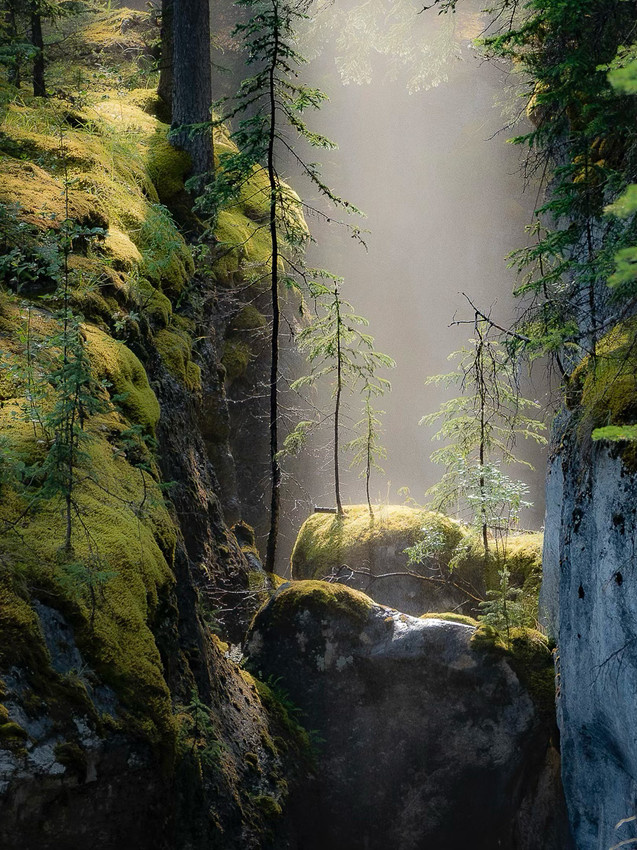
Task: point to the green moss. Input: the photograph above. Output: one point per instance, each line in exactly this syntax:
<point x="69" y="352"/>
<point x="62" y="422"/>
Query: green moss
<point x="12" y="731"/>
<point x="167" y="260"/>
<point x="276" y="580"/>
<point x="255" y="195"/>
<point x="236" y="358"/>
<point x="267" y="805"/>
<point x="133" y="548"/>
<point x="487" y="638"/>
<point x="322" y="599"/>
<point x="154" y="304"/>
<point x="41" y="197"/>
<point x="244" y="250"/>
<point x="252" y="760"/>
<point x="529" y="654"/>
<point x="21" y="641"/>
<point x="122" y="548"/>
<point x="326" y="541"/>
<point x="532" y="660"/>
<point x="606" y="386"/>
<point x="175" y="350"/>
<point x="248" y="319"/>
<point x="520" y="552"/>
<point x="121" y="251"/>
<point x="112" y="160"/>
<point x="451" y="617"/>
<point x="167" y="167"/>
<point x="115" y="363"/>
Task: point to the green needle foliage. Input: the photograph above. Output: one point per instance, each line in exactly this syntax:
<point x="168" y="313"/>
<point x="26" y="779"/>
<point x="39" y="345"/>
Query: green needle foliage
<point x="367" y="448"/>
<point x="582" y="143"/>
<point x="338" y="349"/>
<point x="480" y="428"/>
<point x="22" y="37"/>
<point x="503" y="609"/>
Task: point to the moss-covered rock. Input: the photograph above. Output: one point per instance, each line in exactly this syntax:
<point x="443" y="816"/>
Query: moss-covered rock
<point x="115" y="363"/>
<point x="237" y="354"/>
<point x="451" y="617"/>
<point x="603" y="388"/>
<point x="529" y="654"/>
<point x="167" y="167"/>
<point x="175" y="348"/>
<point x="293" y="600"/>
<point x="362" y="549"/>
<point x="368" y="552"/>
<point x="326" y="540"/>
<point x="99" y="643"/>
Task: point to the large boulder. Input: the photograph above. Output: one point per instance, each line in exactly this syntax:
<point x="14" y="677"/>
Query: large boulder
<point x="367" y="552"/>
<point x="428" y="734"/>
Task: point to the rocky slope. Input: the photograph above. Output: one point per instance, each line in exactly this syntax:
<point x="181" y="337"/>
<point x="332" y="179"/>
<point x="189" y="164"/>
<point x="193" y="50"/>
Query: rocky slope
<point x="112" y="685"/>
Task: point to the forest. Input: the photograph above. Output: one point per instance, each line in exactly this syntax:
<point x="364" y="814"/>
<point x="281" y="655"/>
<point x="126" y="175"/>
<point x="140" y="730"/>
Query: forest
<point x="318" y="425"/>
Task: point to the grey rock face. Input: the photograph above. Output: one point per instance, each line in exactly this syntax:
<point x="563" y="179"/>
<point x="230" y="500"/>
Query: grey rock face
<point x="426" y="741"/>
<point x="590" y="603"/>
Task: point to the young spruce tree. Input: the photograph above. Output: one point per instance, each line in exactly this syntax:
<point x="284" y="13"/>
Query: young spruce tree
<point x="480" y="428"/>
<point x="337" y="348"/>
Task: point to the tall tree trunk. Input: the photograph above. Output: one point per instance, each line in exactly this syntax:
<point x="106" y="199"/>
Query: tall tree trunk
<point x="368" y="467"/>
<point x="480" y="382"/>
<point x="39" y="87"/>
<point x="192" y="81"/>
<point x="165" y="87"/>
<point x="275" y="469"/>
<point x="13" y="72"/>
<point x="337" y="407"/>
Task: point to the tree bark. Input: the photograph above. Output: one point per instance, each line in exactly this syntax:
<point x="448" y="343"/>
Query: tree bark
<point x="275" y="468"/>
<point x="14" y="70"/>
<point x="192" y="81"/>
<point x="39" y="86"/>
<point x="337" y="407"/>
<point x="165" y="87"/>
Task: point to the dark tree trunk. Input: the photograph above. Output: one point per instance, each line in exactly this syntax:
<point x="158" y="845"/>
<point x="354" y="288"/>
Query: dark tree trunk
<point x="192" y="81"/>
<point x="165" y="88"/>
<point x="275" y="469"/>
<point x="337" y="407"/>
<point x="13" y="72"/>
<point x="39" y="87"/>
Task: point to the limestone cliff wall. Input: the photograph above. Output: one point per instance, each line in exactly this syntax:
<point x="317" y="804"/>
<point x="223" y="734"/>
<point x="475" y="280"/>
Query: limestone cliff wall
<point x="589" y="600"/>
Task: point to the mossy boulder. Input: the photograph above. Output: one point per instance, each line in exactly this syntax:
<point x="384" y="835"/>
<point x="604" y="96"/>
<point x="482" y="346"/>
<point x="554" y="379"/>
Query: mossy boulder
<point x="368" y="552"/>
<point x="416" y="723"/>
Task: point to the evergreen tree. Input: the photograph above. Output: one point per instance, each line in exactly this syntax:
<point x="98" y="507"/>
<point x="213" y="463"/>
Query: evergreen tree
<point x="481" y="427"/>
<point x="367" y="448"/>
<point x="22" y="36"/>
<point x="269" y="105"/>
<point x="337" y="348"/>
<point x="582" y="143"/>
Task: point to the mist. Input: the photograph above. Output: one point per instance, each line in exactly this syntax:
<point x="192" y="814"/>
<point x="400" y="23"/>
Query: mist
<point x="426" y="157"/>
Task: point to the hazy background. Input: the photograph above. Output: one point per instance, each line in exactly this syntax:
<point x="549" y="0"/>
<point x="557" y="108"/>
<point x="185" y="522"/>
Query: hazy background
<point x="445" y="202"/>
